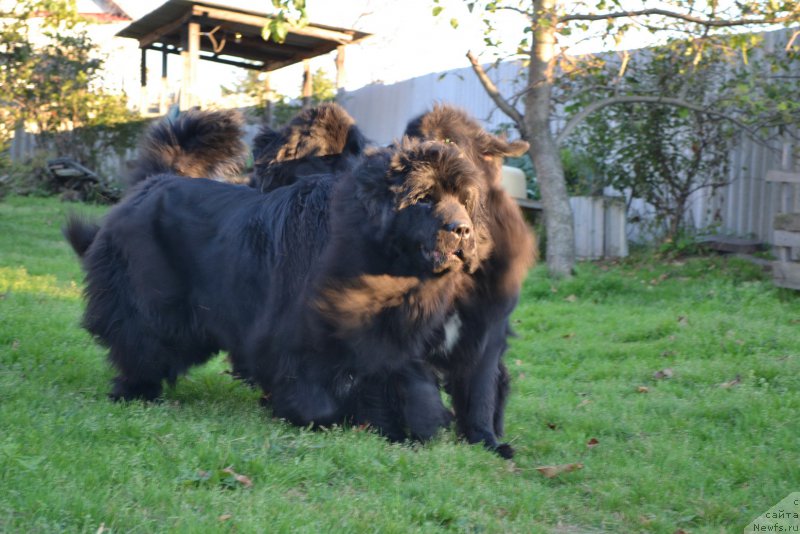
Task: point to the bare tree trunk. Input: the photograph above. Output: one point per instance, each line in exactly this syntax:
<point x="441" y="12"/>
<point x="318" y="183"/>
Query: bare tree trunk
<point x="544" y="151"/>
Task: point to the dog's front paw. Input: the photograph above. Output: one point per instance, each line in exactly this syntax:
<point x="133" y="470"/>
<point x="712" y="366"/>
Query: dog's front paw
<point x="505" y="451"/>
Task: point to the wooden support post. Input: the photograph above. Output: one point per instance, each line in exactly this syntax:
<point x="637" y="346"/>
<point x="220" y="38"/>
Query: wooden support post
<point x="306" y="83"/>
<point x="164" y="90"/>
<point x="191" y="56"/>
<point x="268" y="95"/>
<point x="340" y="72"/>
<point x="143" y="100"/>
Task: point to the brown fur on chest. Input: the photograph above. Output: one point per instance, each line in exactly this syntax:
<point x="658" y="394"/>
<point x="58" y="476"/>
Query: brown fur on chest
<point x="352" y="305"/>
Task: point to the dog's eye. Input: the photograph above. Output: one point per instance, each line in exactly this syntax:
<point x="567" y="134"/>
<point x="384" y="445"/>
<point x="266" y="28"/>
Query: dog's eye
<point x="425" y="200"/>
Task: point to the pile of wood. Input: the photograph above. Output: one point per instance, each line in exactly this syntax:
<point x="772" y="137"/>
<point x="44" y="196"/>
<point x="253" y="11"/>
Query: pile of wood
<point x="786" y="230"/>
<point x="75" y="182"/>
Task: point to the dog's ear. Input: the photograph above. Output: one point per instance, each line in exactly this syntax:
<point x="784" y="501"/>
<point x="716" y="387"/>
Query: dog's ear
<point x="498" y="146"/>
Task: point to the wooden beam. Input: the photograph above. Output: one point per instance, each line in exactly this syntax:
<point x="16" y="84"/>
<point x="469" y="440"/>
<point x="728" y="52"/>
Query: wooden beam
<point x="783" y="176"/>
<point x="143" y="69"/>
<point x="259" y="22"/>
<point x="269" y="95"/>
<point x="190" y="54"/>
<point x="788" y="222"/>
<point x="233" y="62"/>
<point x="162" y="92"/>
<point x="307" y="88"/>
<point x="256" y="47"/>
<point x="313" y="52"/>
<point x="159" y="32"/>
<point x="164" y="57"/>
<point x="247" y="51"/>
<point x="786" y="274"/>
<point x="340" y="73"/>
<point x="242" y="64"/>
<point x="143" y="82"/>
<point x="783" y="238"/>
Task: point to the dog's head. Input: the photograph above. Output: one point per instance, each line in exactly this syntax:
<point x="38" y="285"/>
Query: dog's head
<point x="452" y="125"/>
<point x="424" y="203"/>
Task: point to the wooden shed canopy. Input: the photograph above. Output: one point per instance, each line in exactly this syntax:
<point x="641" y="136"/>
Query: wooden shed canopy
<point x="233" y="36"/>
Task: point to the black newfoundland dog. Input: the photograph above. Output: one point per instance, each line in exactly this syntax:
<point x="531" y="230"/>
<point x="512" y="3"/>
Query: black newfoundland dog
<point x="467" y="349"/>
<point x="327" y="292"/>
<point x="475" y="338"/>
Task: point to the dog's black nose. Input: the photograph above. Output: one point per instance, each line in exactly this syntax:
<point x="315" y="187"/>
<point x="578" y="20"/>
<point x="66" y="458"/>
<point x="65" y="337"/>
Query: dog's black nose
<point x="461" y="229"/>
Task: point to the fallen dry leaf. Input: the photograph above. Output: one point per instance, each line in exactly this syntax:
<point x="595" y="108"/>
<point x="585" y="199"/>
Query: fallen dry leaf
<point x="643" y="389"/>
<point x="571" y="298"/>
<point x="683" y="320"/>
<point x="592" y="443"/>
<point x="583" y="403"/>
<point x="663" y="373"/>
<point x="551" y="471"/>
<point x="241" y="479"/>
<point x="731" y="383"/>
<point x="517" y="362"/>
<point x="224" y="517"/>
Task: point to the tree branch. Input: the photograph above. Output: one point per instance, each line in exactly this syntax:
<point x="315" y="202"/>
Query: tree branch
<point x="641" y="99"/>
<point x="495" y="95"/>
<point x="518" y="10"/>
<point x="680" y="16"/>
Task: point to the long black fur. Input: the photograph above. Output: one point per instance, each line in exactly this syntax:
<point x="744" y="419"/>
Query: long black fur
<point x="197" y="143"/>
<point x="325" y="291"/>
<point x="468" y="350"/>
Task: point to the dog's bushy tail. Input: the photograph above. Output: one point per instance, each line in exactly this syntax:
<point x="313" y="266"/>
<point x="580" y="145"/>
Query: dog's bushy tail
<point x="80" y="233"/>
<point x="317" y="140"/>
<point x="196" y="143"/>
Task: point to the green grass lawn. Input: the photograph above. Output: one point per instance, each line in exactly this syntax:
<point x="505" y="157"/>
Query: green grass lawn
<point x="697" y="450"/>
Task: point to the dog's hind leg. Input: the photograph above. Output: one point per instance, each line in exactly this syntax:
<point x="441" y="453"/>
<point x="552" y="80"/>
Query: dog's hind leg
<point x="143" y="366"/>
<point x="304" y="402"/>
<point x="479" y="392"/>
<point x="140" y="375"/>
<point x="423" y="411"/>
<point x="240" y="370"/>
<point x="376" y="405"/>
<point x="503" y="389"/>
<point x="403" y="404"/>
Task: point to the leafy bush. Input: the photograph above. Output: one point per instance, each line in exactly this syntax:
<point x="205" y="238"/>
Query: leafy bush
<point x="50" y="82"/>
